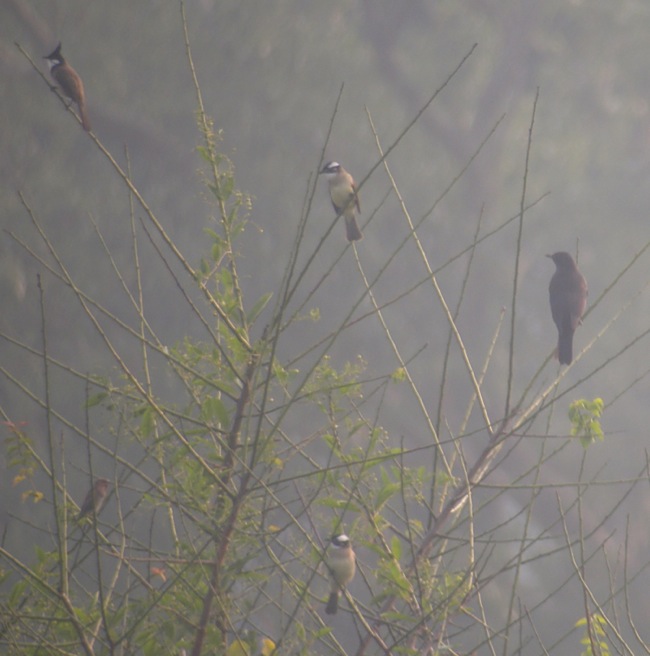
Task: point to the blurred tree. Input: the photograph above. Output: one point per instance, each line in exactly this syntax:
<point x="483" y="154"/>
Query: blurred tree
<point x="375" y="389"/>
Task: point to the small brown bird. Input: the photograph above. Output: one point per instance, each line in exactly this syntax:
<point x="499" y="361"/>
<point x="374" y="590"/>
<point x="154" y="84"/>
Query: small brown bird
<point x="343" y="193"/>
<point x="568" y="295"/>
<point x="95" y="498"/>
<point x="341" y="563"/>
<point x="70" y="82"/>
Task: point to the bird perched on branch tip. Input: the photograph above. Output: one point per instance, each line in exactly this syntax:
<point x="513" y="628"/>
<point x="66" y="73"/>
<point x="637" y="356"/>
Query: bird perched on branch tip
<point x="344" y="197"/>
<point x="70" y="83"/>
<point x="341" y="564"/>
<point x="568" y="296"/>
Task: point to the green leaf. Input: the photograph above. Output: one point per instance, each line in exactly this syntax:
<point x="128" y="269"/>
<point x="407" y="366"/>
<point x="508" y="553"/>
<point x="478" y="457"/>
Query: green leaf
<point x="338" y="504"/>
<point x="212" y="233"/>
<point x="96" y="399"/>
<point x="146" y="422"/>
<point x="227" y="185"/>
<point x="258" y="307"/>
<point x="585" y="420"/>
<point x="214" y="408"/>
<point x="386" y="492"/>
<point x="205" y="153"/>
<point x="399" y="375"/>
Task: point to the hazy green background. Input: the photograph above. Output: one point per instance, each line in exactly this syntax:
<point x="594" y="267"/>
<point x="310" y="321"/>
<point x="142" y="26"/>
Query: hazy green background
<point x="270" y="73"/>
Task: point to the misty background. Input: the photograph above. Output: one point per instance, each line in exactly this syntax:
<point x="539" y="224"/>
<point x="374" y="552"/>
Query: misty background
<point x="270" y="74"/>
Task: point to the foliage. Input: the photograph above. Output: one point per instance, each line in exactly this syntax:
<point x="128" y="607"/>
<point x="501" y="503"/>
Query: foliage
<point x="585" y="420"/>
<point x="594" y="638"/>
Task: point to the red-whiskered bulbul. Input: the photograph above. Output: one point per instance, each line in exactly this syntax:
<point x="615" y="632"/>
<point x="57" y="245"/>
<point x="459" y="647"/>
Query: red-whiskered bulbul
<point x="70" y="82"/>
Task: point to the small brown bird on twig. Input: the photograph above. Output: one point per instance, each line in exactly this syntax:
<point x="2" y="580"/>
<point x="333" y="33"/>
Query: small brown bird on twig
<point x="95" y="498"/>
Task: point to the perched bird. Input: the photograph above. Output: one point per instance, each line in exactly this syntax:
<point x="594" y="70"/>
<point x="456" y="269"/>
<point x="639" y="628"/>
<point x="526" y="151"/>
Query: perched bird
<point x="568" y="296"/>
<point x="96" y="497"/>
<point x="343" y="193"/>
<point x="341" y="563"/>
<point x="70" y="82"/>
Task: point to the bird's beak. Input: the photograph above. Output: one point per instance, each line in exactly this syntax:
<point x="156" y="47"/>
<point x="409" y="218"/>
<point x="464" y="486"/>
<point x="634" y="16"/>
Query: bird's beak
<point x="547" y="255"/>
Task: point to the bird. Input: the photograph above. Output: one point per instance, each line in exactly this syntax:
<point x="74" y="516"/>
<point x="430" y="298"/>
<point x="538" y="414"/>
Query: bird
<point x="344" y="197"/>
<point x="341" y="563"/>
<point x="70" y="82"/>
<point x="95" y="498"/>
<point x="568" y="295"/>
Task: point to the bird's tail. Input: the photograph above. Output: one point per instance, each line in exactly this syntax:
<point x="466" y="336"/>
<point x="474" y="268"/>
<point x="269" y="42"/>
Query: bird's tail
<point x="352" y="229"/>
<point x="332" y="603"/>
<point x="85" y="121"/>
<point x="565" y="347"/>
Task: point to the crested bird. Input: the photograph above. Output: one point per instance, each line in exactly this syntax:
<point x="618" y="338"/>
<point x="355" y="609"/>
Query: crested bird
<point x="344" y="197"/>
<point x="341" y="564"/>
<point x="70" y="82"/>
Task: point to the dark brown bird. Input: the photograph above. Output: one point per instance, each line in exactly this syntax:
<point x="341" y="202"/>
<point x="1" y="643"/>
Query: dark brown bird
<point x="70" y="82"/>
<point x="568" y="295"/>
<point x="95" y="498"/>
